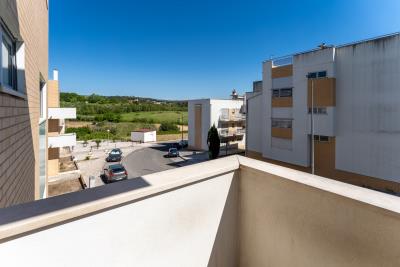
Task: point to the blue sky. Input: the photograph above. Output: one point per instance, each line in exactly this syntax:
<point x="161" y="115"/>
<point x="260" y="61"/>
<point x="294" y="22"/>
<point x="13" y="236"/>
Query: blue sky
<point x="196" y="49"/>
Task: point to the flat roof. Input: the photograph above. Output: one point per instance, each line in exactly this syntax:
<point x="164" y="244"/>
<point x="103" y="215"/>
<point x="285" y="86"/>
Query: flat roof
<point x="143" y="131"/>
<point x="335" y="46"/>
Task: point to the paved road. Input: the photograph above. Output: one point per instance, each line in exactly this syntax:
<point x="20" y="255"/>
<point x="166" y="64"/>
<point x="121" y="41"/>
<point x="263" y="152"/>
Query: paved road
<point x="149" y="160"/>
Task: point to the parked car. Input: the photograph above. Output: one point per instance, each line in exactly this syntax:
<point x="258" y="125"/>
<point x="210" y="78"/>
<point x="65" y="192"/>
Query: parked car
<point x="173" y="153"/>
<point x="116" y="151"/>
<point x="114" y="173"/>
<point x="183" y="143"/>
<point x="114" y="157"/>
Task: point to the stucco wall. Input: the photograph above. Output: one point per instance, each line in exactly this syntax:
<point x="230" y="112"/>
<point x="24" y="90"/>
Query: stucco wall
<point x="211" y="111"/>
<point x="19" y="132"/>
<point x="368" y="110"/>
<point x="253" y="120"/>
<point x="177" y="228"/>
<point x="286" y="223"/>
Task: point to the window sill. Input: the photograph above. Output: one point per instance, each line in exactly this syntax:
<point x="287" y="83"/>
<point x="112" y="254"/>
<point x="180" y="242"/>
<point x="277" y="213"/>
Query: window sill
<point x="8" y="90"/>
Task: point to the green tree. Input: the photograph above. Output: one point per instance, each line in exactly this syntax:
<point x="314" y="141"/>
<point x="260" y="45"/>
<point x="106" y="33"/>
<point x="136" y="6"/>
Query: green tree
<point x="213" y="142"/>
<point x="98" y="141"/>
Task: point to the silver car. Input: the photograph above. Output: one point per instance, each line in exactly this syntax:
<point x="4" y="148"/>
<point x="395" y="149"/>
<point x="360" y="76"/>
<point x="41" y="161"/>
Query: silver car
<point x="114" y="173"/>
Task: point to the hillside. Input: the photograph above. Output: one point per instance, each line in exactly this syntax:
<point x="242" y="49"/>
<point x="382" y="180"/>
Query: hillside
<point x="110" y="108"/>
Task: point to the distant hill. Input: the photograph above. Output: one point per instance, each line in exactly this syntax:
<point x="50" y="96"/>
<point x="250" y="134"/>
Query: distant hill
<point x="110" y="106"/>
<point x="94" y="98"/>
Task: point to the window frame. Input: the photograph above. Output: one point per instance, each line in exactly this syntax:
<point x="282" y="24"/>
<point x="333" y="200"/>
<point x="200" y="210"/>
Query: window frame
<point x="7" y="40"/>
<point x="277" y="92"/>
<point x="18" y="50"/>
<point x="316" y="74"/>
<point x="279" y="123"/>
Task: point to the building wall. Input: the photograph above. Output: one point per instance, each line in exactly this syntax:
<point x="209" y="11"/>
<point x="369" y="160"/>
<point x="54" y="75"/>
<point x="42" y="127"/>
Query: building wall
<point x="19" y="118"/>
<point x="286" y="223"/>
<point x="205" y="122"/>
<point x="368" y="108"/>
<point x="53" y="94"/>
<point x="253" y="119"/>
<point x="211" y="111"/>
<point x="360" y="96"/>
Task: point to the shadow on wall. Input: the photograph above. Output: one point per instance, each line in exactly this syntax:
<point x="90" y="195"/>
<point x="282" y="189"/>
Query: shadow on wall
<point x="48" y="205"/>
<point x="17" y="183"/>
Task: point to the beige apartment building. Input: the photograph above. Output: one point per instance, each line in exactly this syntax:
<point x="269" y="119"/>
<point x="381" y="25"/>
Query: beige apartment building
<point x="23" y="77"/>
<point x="56" y="116"/>
<point x="332" y="110"/>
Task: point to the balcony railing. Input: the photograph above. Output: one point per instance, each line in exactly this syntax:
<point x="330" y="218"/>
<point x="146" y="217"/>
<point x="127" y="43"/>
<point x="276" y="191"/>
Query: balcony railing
<point x="62" y="140"/>
<point x="62" y="113"/>
<point x="232" y="211"/>
<point x="232" y="117"/>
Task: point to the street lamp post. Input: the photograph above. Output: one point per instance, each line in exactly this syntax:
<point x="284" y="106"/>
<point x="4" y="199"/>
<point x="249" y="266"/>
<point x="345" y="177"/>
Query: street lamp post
<point x="108" y="135"/>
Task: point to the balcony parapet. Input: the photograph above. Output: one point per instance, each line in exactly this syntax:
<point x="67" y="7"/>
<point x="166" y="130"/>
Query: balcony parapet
<point x="55" y="140"/>
<point x="61" y="113"/>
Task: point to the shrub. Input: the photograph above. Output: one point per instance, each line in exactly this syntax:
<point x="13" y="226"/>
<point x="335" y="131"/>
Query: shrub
<point x="168" y="127"/>
<point x="213" y="142"/>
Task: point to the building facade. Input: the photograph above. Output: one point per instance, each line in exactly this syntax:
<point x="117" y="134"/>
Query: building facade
<point x="334" y="109"/>
<point x="57" y="138"/>
<point x="23" y="81"/>
<point x="226" y="115"/>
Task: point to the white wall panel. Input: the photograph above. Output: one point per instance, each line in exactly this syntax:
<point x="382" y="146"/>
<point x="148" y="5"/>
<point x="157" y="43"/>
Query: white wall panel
<point x="368" y="108"/>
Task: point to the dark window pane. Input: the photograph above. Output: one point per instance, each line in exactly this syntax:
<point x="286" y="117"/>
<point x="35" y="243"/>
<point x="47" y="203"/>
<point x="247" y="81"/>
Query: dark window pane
<point x="287" y="92"/>
<point x="312" y="75"/>
<point x="321" y="74"/>
<point x="275" y="93"/>
<point x="324" y="138"/>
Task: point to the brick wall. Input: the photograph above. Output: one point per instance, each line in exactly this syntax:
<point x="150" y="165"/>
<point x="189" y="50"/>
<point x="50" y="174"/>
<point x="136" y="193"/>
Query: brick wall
<point x="19" y="131"/>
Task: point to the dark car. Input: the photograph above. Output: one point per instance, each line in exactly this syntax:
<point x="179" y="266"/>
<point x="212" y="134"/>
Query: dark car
<point x="173" y="153"/>
<point x="116" y="151"/>
<point x="114" y="173"/>
<point x="114" y="158"/>
<point x="183" y="144"/>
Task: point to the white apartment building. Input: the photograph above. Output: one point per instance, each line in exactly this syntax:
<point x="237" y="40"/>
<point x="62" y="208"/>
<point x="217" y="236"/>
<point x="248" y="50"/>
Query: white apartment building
<point x="346" y="98"/>
<point x="225" y="114"/>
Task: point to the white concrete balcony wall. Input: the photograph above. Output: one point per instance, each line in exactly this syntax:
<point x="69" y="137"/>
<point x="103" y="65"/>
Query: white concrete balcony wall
<point x="62" y="113"/>
<point x="233" y="211"/>
<point x="62" y="140"/>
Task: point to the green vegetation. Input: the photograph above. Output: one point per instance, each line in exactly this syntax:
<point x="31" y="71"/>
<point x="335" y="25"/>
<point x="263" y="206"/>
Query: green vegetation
<point x="91" y="107"/>
<point x="156" y="117"/>
<point x="115" y="117"/>
<point x="213" y="142"/>
<point x="117" y="131"/>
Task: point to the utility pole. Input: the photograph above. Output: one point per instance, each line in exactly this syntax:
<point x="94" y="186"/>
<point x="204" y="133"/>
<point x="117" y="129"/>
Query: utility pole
<point x="182" y="125"/>
<point x="312" y="128"/>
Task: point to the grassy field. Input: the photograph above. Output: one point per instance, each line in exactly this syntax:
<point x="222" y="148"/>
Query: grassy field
<point x="155" y="117"/>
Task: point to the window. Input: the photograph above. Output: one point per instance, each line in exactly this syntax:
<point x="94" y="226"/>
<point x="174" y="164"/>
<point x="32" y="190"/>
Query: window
<point x="281" y="123"/>
<point x="318" y="74"/>
<point x="284" y="92"/>
<point x="321" y="138"/>
<point x="287" y="92"/>
<point x="318" y="110"/>
<point x="8" y="60"/>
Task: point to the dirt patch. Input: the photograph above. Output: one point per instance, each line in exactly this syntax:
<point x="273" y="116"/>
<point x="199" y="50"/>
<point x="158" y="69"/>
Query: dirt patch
<point x="171" y="137"/>
<point x="64" y="187"/>
<point x="77" y="124"/>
